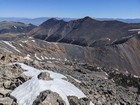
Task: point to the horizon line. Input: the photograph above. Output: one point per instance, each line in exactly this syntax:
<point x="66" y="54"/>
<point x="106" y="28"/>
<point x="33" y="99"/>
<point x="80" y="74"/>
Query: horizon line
<point x="70" y="17"/>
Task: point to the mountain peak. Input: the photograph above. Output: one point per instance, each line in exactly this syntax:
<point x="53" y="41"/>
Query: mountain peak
<point x="87" y="18"/>
<point x="51" y="22"/>
<point x="52" y="19"/>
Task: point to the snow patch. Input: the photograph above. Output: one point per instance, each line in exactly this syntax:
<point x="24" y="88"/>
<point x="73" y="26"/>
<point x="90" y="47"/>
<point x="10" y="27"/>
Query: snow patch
<point x="98" y="68"/>
<point x="46" y="57"/>
<point x="106" y="73"/>
<point x="15" y="27"/>
<point x="28" y="91"/>
<point x="28" y="57"/>
<point x="75" y="79"/>
<point x="134" y="30"/>
<point x="108" y="39"/>
<point x="10" y="44"/>
<point x="126" y="72"/>
<point x="37" y="57"/>
<point x="49" y="62"/>
<point x="42" y="57"/>
<point x="136" y="76"/>
<point x="33" y="40"/>
<point x="65" y="59"/>
<point x="25" y="41"/>
<point x="91" y="103"/>
<point x="21" y="45"/>
<point x="30" y="37"/>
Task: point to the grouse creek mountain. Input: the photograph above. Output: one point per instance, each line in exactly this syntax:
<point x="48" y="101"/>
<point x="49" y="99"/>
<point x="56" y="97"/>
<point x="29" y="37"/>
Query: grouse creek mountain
<point x="81" y="62"/>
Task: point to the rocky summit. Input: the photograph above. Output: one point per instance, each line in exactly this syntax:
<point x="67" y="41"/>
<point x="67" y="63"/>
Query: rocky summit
<point x="80" y="62"/>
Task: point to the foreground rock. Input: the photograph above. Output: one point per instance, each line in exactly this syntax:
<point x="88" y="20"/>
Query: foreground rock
<point x="103" y="86"/>
<point x="44" y="76"/>
<point x="7" y="101"/>
<point x="49" y="98"/>
<point x="10" y="78"/>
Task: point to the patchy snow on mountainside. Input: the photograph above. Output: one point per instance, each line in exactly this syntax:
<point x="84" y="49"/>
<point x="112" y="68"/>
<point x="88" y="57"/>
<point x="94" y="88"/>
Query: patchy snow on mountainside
<point x="21" y="45"/>
<point x="33" y="40"/>
<point x="75" y="79"/>
<point x="9" y="44"/>
<point x="28" y="91"/>
<point x="37" y="57"/>
<point x="134" y="30"/>
<point x="25" y="41"/>
<point x="15" y="27"/>
<point x="28" y="57"/>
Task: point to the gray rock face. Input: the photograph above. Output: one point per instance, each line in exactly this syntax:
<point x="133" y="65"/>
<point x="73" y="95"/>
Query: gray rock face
<point x="7" y="101"/>
<point x="75" y="101"/>
<point x="104" y="86"/>
<point x="82" y="31"/>
<point x="10" y="78"/>
<point x="48" y="98"/>
<point x="44" y="76"/>
<point x="15" y="27"/>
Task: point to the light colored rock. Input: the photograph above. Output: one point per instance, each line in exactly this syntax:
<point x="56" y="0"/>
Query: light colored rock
<point x="6" y="101"/>
<point x="7" y="84"/>
<point x="4" y="92"/>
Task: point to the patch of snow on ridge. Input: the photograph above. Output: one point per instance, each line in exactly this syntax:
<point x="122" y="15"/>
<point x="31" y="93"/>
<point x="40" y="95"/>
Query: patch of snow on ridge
<point x="136" y="76"/>
<point x="91" y="103"/>
<point x="74" y="79"/>
<point x="42" y="57"/>
<point x="28" y="57"/>
<point x="10" y="44"/>
<point x="134" y="30"/>
<point x="15" y="27"/>
<point x="25" y="41"/>
<point x="21" y="45"/>
<point x="33" y="40"/>
<point x="46" y="57"/>
<point x="28" y="91"/>
<point x="37" y="57"/>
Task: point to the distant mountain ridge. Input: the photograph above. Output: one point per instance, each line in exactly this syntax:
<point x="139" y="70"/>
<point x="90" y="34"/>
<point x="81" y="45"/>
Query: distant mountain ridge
<point x="77" y="62"/>
<point x="115" y="44"/>
<point x="35" y="21"/>
<point x="15" y="27"/>
<point x="39" y="20"/>
<point x="12" y="30"/>
<point x="86" y="31"/>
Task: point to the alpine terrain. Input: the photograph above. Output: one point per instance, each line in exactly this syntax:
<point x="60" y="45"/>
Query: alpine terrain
<point x="77" y="62"/>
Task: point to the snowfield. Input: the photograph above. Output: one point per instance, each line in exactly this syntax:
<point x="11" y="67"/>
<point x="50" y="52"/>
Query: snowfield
<point x="28" y="91"/>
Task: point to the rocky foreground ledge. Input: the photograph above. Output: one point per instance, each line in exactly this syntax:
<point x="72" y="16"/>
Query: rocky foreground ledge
<point x="32" y="82"/>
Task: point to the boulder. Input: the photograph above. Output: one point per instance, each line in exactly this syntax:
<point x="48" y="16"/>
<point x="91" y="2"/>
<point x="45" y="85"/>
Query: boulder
<point x="44" y="76"/>
<point x="49" y="98"/>
<point x="6" y="101"/>
<point x="75" y="101"/>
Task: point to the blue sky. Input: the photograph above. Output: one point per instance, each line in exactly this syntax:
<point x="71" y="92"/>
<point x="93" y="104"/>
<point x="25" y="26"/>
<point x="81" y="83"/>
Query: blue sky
<point x="70" y="8"/>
